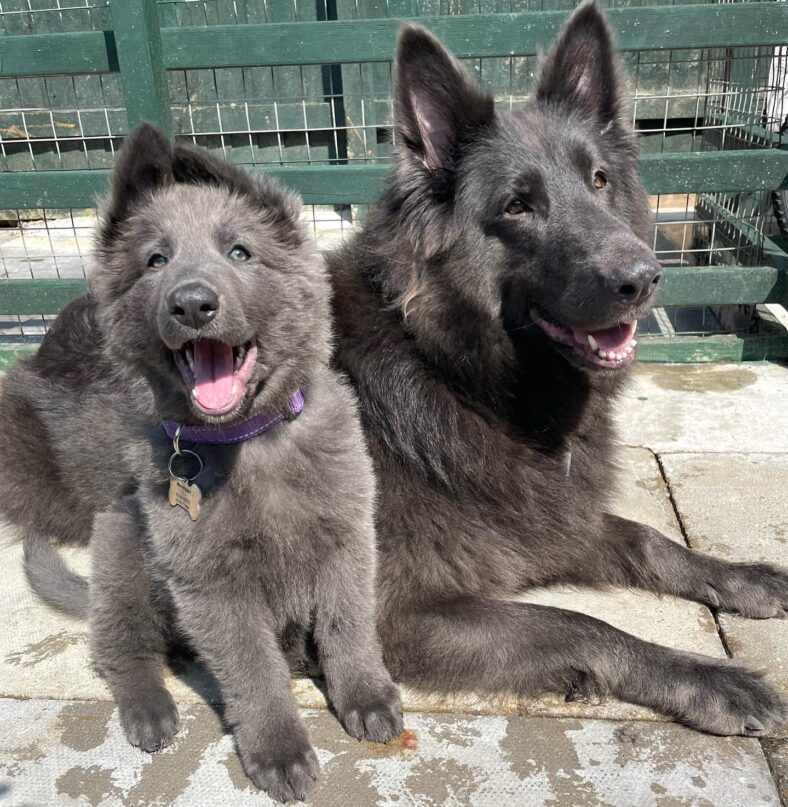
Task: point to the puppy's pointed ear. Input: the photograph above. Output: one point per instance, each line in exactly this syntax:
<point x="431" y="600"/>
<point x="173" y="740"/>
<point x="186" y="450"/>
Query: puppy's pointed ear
<point x="192" y="164"/>
<point x="144" y="164"/>
<point x="437" y="106"/>
<point x="195" y="165"/>
<point x="581" y="68"/>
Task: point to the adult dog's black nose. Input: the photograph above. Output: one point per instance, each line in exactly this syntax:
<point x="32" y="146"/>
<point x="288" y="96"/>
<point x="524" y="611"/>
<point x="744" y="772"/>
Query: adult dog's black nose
<point x="193" y="304"/>
<point x="634" y="284"/>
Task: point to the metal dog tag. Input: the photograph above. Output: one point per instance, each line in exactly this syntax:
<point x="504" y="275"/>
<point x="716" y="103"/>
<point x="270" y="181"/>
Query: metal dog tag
<point x="183" y="492"/>
<point x="186" y="495"/>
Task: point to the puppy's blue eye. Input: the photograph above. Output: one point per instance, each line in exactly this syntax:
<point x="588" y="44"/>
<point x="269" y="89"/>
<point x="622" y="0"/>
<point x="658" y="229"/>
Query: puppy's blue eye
<point x="157" y="261"/>
<point x="238" y="253"/>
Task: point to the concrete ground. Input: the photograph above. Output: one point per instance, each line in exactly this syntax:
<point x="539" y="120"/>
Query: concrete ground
<point x="704" y="458"/>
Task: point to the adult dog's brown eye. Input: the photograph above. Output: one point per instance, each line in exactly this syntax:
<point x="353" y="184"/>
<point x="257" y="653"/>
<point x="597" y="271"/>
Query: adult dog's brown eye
<point x="600" y="180"/>
<point x="517" y="207"/>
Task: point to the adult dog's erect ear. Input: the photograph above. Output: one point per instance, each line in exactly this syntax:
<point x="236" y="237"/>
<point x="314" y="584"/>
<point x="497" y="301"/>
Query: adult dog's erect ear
<point x="437" y="106"/>
<point x="581" y="68"/>
<point x="144" y="164"/>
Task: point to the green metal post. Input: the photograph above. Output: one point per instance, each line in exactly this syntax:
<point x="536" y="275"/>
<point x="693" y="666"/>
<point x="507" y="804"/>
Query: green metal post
<point x="138" y="42"/>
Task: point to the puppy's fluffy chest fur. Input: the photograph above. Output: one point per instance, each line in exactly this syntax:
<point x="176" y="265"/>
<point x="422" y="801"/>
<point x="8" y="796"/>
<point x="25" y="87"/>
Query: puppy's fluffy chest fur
<point x="247" y="531"/>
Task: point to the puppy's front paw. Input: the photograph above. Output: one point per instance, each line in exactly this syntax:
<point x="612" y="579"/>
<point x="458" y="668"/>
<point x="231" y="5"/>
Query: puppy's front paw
<point x="149" y="719"/>
<point x="285" y="767"/>
<point x="372" y="712"/>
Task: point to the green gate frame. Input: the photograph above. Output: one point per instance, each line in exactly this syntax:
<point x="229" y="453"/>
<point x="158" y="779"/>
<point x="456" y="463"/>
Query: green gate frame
<point x="141" y="52"/>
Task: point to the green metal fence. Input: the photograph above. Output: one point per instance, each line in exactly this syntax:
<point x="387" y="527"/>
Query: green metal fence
<point x="302" y="90"/>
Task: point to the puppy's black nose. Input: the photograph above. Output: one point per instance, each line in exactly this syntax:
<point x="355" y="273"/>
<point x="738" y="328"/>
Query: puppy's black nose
<point x="193" y="304"/>
<point x="637" y="282"/>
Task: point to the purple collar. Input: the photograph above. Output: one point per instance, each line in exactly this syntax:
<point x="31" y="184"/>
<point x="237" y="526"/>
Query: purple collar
<point x="238" y="432"/>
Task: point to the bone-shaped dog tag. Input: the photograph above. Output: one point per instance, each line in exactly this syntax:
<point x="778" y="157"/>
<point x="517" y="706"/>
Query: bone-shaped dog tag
<point x="187" y="495"/>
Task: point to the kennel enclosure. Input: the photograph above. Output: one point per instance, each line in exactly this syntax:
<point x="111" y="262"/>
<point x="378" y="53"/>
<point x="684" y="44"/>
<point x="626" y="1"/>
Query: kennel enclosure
<point x="302" y="90"/>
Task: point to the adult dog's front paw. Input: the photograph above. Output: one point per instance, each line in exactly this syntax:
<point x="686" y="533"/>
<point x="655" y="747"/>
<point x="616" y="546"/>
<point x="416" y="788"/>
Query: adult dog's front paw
<point x="149" y="719"/>
<point x="723" y="697"/>
<point x="754" y="590"/>
<point x="372" y="712"/>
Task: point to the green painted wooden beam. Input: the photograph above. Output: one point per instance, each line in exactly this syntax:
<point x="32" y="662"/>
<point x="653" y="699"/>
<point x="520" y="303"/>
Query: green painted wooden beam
<point x="657" y="349"/>
<point x="723" y="285"/>
<point x="346" y="41"/>
<point x="51" y="54"/>
<point x="472" y="35"/>
<point x="716" y="347"/>
<point x="10" y="352"/>
<point x="687" y="285"/>
<point x="739" y="170"/>
<point x="142" y="71"/>
<point x="38" y="296"/>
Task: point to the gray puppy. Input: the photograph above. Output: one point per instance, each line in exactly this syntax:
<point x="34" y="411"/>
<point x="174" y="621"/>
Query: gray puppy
<point x="208" y="310"/>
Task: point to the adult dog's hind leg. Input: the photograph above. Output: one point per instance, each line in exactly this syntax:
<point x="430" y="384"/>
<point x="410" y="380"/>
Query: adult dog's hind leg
<point x="632" y="554"/>
<point x="129" y="633"/>
<point x="508" y="647"/>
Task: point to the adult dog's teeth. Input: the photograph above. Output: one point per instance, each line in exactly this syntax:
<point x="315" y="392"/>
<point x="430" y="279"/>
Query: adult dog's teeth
<point x="592" y="343"/>
<point x="634" y="325"/>
<point x="189" y="357"/>
<point x="634" y="343"/>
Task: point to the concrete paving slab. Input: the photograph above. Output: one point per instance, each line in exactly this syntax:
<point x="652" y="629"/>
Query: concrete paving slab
<point x="74" y="754"/>
<point x="45" y="655"/>
<point x="776" y="751"/>
<point x="736" y="507"/>
<point x="706" y="407"/>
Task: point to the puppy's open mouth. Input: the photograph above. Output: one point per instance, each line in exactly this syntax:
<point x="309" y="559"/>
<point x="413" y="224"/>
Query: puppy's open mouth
<point x="216" y="373"/>
<point x="609" y="348"/>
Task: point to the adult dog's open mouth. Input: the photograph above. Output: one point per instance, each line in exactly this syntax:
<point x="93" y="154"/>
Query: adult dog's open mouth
<point x="216" y="373"/>
<point x="609" y="348"/>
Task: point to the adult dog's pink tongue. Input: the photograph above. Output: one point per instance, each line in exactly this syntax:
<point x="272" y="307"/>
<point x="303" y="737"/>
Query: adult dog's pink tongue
<point x="213" y="374"/>
<point x="615" y="338"/>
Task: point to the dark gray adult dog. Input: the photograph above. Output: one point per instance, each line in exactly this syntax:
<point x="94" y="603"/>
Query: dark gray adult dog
<point x="209" y="307"/>
<point x="485" y="313"/>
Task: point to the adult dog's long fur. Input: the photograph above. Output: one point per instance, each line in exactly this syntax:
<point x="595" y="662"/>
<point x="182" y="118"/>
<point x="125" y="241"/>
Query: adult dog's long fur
<point x="484" y="315"/>
<point x="207" y="306"/>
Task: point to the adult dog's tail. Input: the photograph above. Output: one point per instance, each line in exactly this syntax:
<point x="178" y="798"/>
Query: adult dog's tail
<point x="51" y="579"/>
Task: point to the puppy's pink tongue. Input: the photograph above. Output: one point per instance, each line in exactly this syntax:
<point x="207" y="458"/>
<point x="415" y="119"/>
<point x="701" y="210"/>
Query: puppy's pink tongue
<point x="213" y="374"/>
